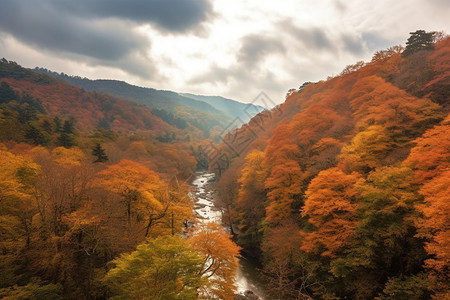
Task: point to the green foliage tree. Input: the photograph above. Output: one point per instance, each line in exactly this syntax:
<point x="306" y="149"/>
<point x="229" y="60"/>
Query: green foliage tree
<point x="58" y="124"/>
<point x="36" y="136"/>
<point x="7" y="93"/>
<point x="385" y="242"/>
<point x="99" y="153"/>
<point x="67" y="137"/>
<point x="47" y="126"/>
<point x="419" y="40"/>
<point x="406" y="288"/>
<point x="165" y="268"/>
<point x="36" y="290"/>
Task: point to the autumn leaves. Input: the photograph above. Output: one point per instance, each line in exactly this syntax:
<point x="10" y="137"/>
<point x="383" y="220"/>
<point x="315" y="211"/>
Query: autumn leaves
<point x="172" y="267"/>
<point x="68" y="217"/>
<point x="349" y="197"/>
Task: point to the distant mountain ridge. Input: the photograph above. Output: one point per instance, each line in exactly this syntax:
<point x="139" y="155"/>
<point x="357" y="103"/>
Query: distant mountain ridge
<point x="245" y="111"/>
<point x="203" y="112"/>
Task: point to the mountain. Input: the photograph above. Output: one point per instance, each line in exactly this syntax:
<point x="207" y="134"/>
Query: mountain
<point x="231" y="107"/>
<point x="58" y="98"/>
<point x="344" y="187"/>
<point x="205" y="113"/>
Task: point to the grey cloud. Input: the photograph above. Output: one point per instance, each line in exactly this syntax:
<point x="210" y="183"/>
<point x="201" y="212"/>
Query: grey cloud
<point x="352" y="44"/>
<point x="313" y="37"/>
<point x="99" y="32"/>
<point x="214" y="75"/>
<point x="247" y="77"/>
<point x="256" y="47"/>
<point x="375" y="42"/>
<point x="43" y="27"/>
<point x="244" y="82"/>
<point x="169" y="15"/>
<point x="440" y="3"/>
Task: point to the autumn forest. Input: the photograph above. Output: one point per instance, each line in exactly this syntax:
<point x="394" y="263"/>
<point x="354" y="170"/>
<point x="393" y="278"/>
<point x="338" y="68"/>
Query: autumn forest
<point x="340" y="192"/>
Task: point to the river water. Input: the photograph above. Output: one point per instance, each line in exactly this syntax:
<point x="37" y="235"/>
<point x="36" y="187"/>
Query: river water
<point x="203" y="195"/>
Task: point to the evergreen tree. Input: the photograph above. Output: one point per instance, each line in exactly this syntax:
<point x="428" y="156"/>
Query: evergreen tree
<point x="66" y="140"/>
<point x="47" y="126"/>
<point x="419" y="40"/>
<point x="7" y="93"/>
<point x="26" y="113"/>
<point x="57" y="122"/>
<point x="67" y="137"/>
<point x="68" y="126"/>
<point x="35" y="103"/>
<point x="99" y="152"/>
<point x="37" y="136"/>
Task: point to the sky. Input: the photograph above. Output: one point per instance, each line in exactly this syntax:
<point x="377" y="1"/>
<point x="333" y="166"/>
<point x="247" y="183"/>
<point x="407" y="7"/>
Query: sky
<point x="232" y="48"/>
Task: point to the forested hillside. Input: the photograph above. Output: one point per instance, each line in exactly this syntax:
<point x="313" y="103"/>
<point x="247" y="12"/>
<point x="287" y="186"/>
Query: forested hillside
<point x="90" y="184"/>
<point x="342" y="191"/>
<point x="176" y="109"/>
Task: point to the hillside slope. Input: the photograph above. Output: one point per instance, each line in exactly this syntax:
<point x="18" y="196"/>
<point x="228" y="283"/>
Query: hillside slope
<point x="335" y="186"/>
<point x="61" y="99"/>
<point x="166" y="104"/>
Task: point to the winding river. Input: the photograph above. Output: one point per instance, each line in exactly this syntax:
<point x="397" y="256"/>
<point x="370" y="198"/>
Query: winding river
<point x="203" y="195"/>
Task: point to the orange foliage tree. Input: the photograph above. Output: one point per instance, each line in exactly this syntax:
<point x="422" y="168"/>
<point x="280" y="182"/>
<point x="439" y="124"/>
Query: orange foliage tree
<point x="220" y="261"/>
<point x="143" y="194"/>
<point x="430" y="155"/>
<point x="430" y="159"/>
<point x="330" y="206"/>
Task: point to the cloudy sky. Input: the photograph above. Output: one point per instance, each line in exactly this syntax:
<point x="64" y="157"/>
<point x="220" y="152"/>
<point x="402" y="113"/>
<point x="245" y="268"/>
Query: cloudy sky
<point x="232" y="48"/>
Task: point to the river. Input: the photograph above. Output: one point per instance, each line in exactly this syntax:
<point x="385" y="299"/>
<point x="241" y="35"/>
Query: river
<point x="203" y="195"/>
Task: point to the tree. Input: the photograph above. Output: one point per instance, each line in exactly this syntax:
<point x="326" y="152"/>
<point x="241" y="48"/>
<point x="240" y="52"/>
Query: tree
<point x="99" y="153"/>
<point x="330" y="206"/>
<point x="250" y="202"/>
<point x="47" y="126"/>
<point x="435" y="227"/>
<point x="35" y="289"/>
<point x="162" y="269"/>
<point x="7" y="94"/>
<point x="219" y="263"/>
<point x="384" y="244"/>
<point x="37" y="136"/>
<point x="366" y="149"/>
<point x="66" y="140"/>
<point x="415" y="287"/>
<point x="429" y="157"/>
<point x="287" y="273"/>
<point x="419" y="40"/>
<point x="67" y="137"/>
<point x="58" y="124"/>
<point x="16" y="216"/>
<point x="136" y="185"/>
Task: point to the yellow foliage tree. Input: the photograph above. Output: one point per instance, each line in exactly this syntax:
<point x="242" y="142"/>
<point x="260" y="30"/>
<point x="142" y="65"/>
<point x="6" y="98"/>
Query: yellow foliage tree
<point x="366" y="149"/>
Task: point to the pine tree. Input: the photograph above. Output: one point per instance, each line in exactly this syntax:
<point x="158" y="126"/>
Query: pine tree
<point x="36" y="135"/>
<point x="66" y="140"/>
<point x="58" y="124"/>
<point x="7" y="93"/>
<point x="419" y="40"/>
<point x="99" y="152"/>
<point x="67" y="137"/>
